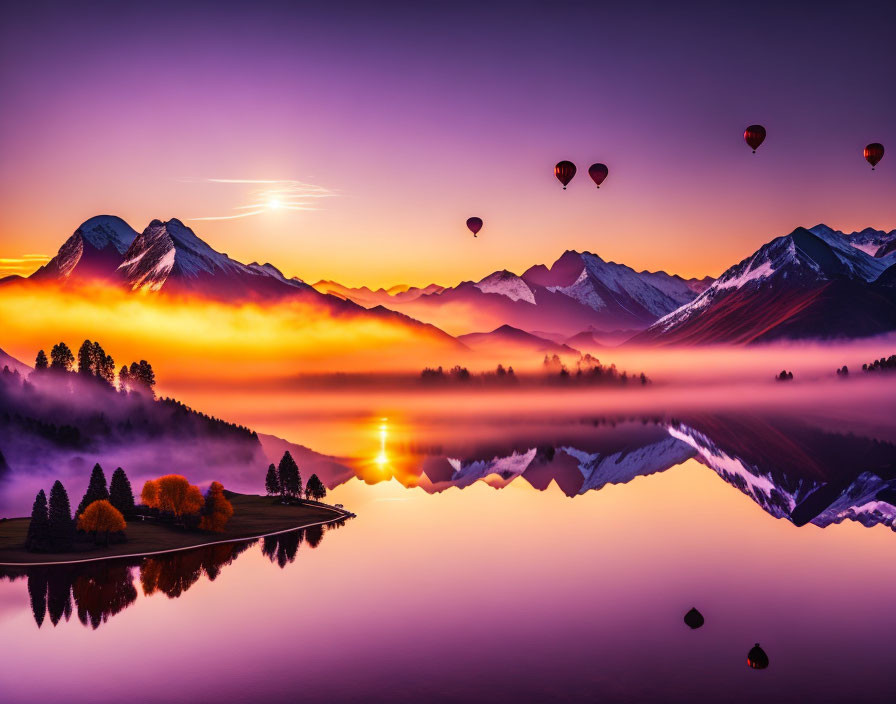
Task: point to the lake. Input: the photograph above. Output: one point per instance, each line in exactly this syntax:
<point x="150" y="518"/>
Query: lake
<point x="520" y="553"/>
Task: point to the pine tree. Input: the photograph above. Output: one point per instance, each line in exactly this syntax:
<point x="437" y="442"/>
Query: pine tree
<point x="40" y="362"/>
<point x="272" y="481"/>
<point x="290" y="478"/>
<point x="103" y="365"/>
<point x="143" y="377"/>
<point x="121" y="495"/>
<point x="124" y="378"/>
<point x="86" y="359"/>
<point x="61" y="358"/>
<point x="315" y="488"/>
<point x="37" y="592"/>
<point x="39" y="528"/>
<point x="61" y="527"/>
<point x="97" y="489"/>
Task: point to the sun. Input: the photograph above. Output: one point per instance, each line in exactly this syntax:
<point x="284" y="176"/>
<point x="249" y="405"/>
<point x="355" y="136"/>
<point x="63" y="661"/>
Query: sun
<point x="273" y="203"/>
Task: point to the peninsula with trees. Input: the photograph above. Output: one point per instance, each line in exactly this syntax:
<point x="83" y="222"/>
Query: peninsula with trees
<point x="172" y="515"/>
<point x="59" y="412"/>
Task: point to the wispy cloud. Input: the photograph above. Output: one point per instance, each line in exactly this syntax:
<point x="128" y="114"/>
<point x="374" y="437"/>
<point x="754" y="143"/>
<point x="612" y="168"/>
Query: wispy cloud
<point x="24" y="263"/>
<point x="275" y="195"/>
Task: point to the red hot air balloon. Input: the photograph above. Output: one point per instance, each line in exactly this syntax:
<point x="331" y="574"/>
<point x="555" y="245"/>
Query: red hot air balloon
<point x="598" y="172"/>
<point x="564" y="171"/>
<point x="754" y="135"/>
<point x="756" y="658"/>
<point x="874" y="152"/>
<point x="474" y="224"/>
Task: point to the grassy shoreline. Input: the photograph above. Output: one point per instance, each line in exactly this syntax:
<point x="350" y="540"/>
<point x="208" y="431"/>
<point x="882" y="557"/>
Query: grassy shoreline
<point x="253" y="517"/>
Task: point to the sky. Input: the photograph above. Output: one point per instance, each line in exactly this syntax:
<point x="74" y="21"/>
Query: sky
<point x="385" y="125"/>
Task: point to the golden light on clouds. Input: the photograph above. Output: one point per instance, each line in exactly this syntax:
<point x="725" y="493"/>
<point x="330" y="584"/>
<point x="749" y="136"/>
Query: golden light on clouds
<point x="200" y="339"/>
<point x="25" y="263"/>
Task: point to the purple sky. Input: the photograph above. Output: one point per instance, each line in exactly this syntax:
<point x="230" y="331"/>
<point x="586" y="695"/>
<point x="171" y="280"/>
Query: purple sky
<point x="413" y="117"/>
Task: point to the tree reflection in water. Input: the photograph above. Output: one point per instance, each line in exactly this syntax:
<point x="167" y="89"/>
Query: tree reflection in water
<point x="175" y="573"/>
<point x="100" y="590"/>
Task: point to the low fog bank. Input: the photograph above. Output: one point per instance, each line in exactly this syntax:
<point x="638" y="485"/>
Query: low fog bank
<point x="57" y="425"/>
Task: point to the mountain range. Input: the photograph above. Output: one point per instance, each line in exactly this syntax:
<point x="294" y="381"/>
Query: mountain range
<point x="579" y="292"/>
<point x="169" y="259"/>
<point x="811" y="283"/>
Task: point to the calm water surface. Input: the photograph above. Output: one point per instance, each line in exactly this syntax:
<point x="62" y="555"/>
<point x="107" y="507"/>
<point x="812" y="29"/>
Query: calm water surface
<point x="526" y="560"/>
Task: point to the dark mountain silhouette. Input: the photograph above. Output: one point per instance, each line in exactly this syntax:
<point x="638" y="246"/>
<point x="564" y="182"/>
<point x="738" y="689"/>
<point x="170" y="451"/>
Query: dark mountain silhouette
<point x="12" y="363"/>
<point x="507" y="338"/>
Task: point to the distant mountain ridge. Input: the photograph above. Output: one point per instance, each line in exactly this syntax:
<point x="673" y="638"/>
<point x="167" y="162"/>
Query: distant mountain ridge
<point x="812" y="283"/>
<point x="578" y="292"/>
<point x="506" y="337"/>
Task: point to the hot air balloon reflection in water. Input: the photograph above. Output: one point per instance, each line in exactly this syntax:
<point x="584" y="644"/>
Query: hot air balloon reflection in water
<point x="756" y="658"/>
<point x="754" y="135"/>
<point x="598" y="172"/>
<point x="874" y="152"/>
<point x="474" y="224"/>
<point x="693" y="618"/>
<point x="564" y="171"/>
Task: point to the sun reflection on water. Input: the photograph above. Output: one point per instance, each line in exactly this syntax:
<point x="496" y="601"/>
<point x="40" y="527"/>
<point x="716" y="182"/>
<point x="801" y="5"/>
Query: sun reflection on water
<point x="382" y="459"/>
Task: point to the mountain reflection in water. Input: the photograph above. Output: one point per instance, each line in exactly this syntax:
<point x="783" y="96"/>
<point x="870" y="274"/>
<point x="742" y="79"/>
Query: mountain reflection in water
<point x="793" y="469"/>
<point x="96" y="591"/>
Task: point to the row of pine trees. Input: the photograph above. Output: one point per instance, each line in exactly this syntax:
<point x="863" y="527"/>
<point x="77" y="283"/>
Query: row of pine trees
<point x="53" y="528"/>
<point x="285" y="481"/>
<point x="93" y="362"/>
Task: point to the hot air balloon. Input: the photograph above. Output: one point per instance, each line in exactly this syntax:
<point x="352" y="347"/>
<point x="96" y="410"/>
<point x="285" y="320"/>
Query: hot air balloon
<point x="756" y="658"/>
<point x="754" y="135"/>
<point x="598" y="172"/>
<point x="564" y="171"/>
<point x="874" y="152"/>
<point x="474" y="224"/>
<point x="693" y="618"/>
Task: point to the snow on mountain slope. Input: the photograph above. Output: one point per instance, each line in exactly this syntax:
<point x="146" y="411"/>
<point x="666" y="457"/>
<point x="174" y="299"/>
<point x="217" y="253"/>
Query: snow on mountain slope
<point x="785" y="495"/>
<point x="751" y="480"/>
<point x="621" y="467"/>
<point x="602" y="285"/>
<point x="787" y="277"/>
<point x="869" y="240"/>
<point x="507" y="467"/>
<point x="507" y="284"/>
<point x="169" y="255"/>
<point x="92" y="252"/>
<point x="578" y="292"/>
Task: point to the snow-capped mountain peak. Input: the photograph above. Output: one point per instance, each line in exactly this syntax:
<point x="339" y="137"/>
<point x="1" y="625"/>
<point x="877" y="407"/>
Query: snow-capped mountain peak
<point x="171" y="249"/>
<point x="782" y="284"/>
<point x="877" y="243"/>
<point x="92" y="251"/>
<point x="506" y="283"/>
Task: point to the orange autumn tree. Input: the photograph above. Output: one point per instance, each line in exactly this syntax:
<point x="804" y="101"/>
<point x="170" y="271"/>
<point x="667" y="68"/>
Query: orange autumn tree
<point x="101" y="517"/>
<point x="150" y="494"/>
<point x="172" y="494"/>
<point x="217" y="510"/>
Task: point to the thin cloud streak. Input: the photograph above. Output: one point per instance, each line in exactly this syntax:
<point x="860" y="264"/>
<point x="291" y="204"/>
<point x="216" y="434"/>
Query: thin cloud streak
<point x="23" y="263"/>
<point x="286" y="195"/>
<point x="230" y="217"/>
